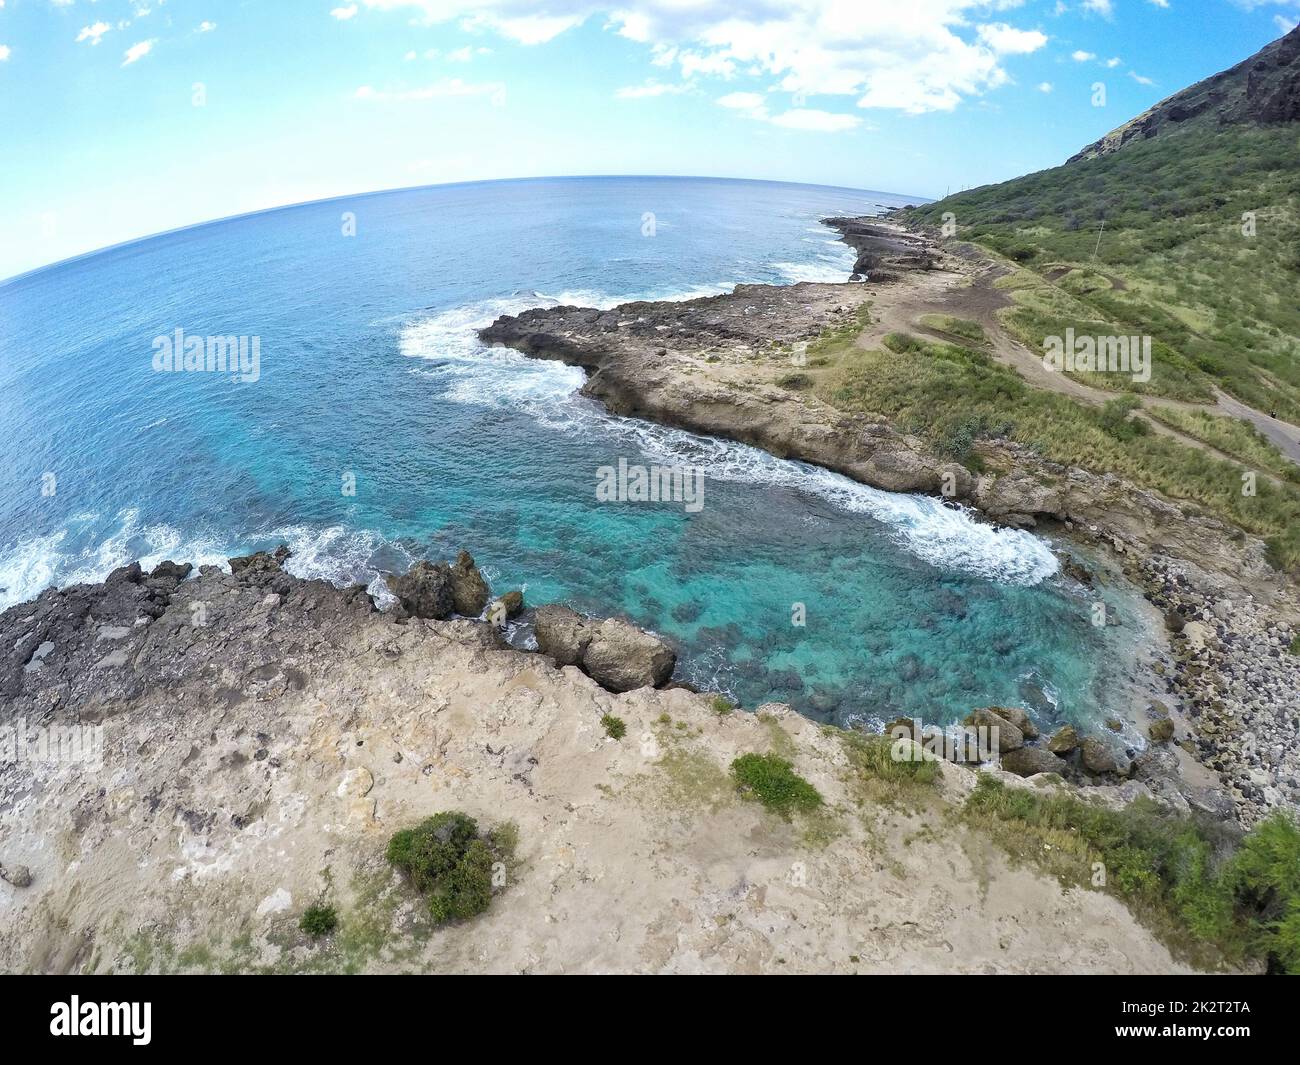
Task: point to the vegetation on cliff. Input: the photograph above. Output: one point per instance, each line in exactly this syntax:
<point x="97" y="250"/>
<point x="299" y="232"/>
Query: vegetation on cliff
<point x="1171" y="870"/>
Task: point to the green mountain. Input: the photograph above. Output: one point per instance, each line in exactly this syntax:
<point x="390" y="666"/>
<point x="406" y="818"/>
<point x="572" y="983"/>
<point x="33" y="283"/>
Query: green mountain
<point x="1182" y="224"/>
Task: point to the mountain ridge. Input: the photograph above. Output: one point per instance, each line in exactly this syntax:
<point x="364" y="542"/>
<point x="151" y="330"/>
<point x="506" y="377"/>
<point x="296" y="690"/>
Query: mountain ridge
<point x="1263" y="88"/>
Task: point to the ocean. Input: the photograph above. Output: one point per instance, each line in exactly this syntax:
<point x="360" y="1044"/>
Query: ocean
<point x="375" y="430"/>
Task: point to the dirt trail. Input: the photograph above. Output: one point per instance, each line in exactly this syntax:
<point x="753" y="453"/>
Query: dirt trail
<point x="964" y="289"/>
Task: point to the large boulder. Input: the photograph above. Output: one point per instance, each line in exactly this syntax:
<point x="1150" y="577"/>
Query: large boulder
<point x="1097" y="757"/>
<point x="425" y="590"/>
<point x="1008" y="736"/>
<point x="1027" y="761"/>
<point x="562" y="634"/>
<point x="615" y="654"/>
<point x="469" y="591"/>
<point x="505" y="608"/>
<point x="1018" y="717"/>
<point x="620" y="657"/>
<point x="1161" y="730"/>
<point x="1065" y="740"/>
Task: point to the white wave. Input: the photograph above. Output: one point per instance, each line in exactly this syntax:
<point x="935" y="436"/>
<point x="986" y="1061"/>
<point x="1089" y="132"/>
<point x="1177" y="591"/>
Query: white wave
<point x="944" y="536"/>
<point x="828" y="273"/>
<point x="336" y="554"/>
<point x="33" y="565"/>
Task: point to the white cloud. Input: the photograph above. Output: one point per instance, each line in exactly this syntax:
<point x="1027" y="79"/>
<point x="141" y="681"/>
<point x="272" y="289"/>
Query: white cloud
<point x="138" y="51"/>
<point x="1286" y="25"/>
<point x="650" y="88"/>
<point x="445" y="88"/>
<point x="1159" y="3"/>
<point x="810" y="118"/>
<point x="917" y="56"/>
<point x="754" y="105"/>
<point x="1140" y="79"/>
<point x="1113" y="62"/>
<point x="1044" y="86"/>
<point x="1104" y="8"/>
<point x="344" y="13"/>
<point x="1081" y="56"/>
<point x="526" y="29"/>
<point x="206" y="26"/>
<point x="5" y="52"/>
<point x="1007" y="40"/>
<point x="93" y="33"/>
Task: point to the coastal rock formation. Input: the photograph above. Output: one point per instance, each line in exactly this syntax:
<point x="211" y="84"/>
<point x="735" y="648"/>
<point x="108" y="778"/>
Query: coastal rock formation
<point x="884" y="252"/>
<point x="1029" y="761"/>
<point x="615" y="654"/>
<point x="425" y="590"/>
<point x="469" y="591"/>
<point x="261" y="736"/>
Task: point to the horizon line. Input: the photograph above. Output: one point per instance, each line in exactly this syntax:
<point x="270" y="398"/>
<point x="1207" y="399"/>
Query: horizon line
<point x="416" y="188"/>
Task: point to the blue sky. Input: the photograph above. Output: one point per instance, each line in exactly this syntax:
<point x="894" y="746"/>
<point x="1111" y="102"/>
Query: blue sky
<point x="122" y="118"/>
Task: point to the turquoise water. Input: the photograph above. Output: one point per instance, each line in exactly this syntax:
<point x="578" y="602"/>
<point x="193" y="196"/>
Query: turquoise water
<point x="369" y="369"/>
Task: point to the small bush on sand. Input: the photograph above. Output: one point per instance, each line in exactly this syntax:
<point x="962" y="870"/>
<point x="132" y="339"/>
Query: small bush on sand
<point x="615" y="727"/>
<point x="773" y="782"/>
<point x="450" y="862"/>
<point x="319" y="920"/>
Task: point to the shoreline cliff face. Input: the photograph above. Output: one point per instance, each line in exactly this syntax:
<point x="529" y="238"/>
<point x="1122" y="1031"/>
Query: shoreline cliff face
<point x="264" y="735"/>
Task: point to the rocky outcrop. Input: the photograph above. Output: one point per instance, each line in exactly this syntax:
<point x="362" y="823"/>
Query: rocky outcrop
<point x="1009" y="737"/>
<point x="1263" y="90"/>
<point x="883" y="251"/>
<point x="425" y="590"/>
<point x="469" y="591"/>
<point x="617" y="655"/>
<point x="1064" y="741"/>
<point x="1030" y="761"/>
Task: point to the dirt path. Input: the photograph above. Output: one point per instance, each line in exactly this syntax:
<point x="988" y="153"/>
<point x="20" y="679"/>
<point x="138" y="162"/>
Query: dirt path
<point x="964" y="289"/>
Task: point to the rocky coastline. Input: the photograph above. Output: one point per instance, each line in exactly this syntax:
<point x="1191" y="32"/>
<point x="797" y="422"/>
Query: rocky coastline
<point x="258" y="734"/>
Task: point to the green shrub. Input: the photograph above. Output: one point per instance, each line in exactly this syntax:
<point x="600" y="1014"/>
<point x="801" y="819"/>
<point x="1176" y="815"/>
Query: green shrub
<point x="319" y="920"/>
<point x="795" y="381"/>
<point x="449" y="862"/>
<point x="721" y="705"/>
<point x="615" y="727"/>
<point x="1295" y="645"/>
<point x="773" y="782"/>
<point x="1168" y="867"/>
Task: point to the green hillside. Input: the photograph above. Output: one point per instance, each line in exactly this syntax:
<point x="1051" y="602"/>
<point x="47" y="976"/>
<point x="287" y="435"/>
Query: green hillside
<point x="1171" y="261"/>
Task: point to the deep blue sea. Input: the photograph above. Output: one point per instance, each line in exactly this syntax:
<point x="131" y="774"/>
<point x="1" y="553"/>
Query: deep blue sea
<point x="369" y="374"/>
